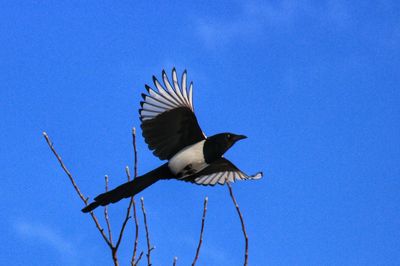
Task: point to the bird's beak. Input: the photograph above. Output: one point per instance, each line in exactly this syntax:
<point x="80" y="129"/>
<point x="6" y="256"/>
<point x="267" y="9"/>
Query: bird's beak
<point x="239" y="137"/>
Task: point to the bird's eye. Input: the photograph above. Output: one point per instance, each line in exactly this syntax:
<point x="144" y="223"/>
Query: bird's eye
<point x="228" y="136"/>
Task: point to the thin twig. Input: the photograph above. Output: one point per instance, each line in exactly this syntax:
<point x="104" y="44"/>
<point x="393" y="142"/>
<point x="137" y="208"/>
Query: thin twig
<point x="136" y="230"/>
<point x="106" y="213"/>
<point x="246" y="252"/>
<point x="175" y="259"/>
<point x="149" y="248"/>
<point x="134" y="203"/>
<point x="135" y="172"/>
<point x="85" y="200"/>
<point x="133" y="263"/>
<point x="50" y="143"/>
<point x="128" y="213"/>
<point x="201" y="231"/>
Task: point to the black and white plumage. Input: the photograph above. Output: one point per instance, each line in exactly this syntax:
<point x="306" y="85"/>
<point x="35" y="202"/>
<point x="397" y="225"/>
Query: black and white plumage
<point x="171" y="130"/>
<point x="168" y="121"/>
<point x="220" y="172"/>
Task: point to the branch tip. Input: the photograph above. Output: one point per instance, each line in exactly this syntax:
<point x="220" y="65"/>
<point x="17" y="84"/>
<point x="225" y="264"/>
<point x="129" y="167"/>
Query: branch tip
<point x="201" y="232"/>
<point x="246" y="239"/>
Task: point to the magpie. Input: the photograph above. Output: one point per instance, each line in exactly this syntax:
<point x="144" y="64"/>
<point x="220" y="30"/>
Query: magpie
<point x="170" y="129"/>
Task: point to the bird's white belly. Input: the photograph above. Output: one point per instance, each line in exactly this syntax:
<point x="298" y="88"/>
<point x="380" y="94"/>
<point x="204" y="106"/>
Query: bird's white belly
<point x="188" y="161"/>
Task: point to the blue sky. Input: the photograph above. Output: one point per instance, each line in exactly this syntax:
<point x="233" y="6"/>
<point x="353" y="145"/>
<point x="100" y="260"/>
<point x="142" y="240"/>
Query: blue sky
<point x="313" y="84"/>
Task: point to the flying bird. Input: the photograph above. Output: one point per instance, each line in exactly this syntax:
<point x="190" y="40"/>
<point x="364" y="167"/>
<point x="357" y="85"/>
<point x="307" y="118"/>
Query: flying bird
<point x="170" y="128"/>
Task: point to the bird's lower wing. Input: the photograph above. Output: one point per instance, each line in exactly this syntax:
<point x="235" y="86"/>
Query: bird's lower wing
<point x="220" y="172"/>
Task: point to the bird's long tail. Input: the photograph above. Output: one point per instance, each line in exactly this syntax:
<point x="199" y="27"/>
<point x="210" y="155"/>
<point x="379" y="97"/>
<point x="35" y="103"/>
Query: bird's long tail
<point x="130" y="188"/>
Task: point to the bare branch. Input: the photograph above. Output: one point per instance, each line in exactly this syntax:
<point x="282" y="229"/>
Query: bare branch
<point x="134" y="203"/>
<point x="175" y="260"/>
<point x="85" y="200"/>
<point x="50" y="143"/>
<point x="136" y="230"/>
<point x="246" y="253"/>
<point x="128" y="173"/>
<point x="114" y="256"/>
<point x="133" y="263"/>
<point x="201" y="231"/>
<point x="106" y="213"/>
<point x="128" y="212"/>
<point x="149" y="248"/>
<point x="135" y="172"/>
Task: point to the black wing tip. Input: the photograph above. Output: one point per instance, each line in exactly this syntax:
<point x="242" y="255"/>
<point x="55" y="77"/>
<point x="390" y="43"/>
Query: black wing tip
<point x="155" y="80"/>
<point x="144" y="96"/>
<point x="260" y="173"/>
<point x="163" y="73"/>
<point x="147" y="87"/>
<point x="142" y="102"/>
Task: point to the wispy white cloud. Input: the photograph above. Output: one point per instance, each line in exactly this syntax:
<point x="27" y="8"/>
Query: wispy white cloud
<point x="255" y="17"/>
<point x="47" y="236"/>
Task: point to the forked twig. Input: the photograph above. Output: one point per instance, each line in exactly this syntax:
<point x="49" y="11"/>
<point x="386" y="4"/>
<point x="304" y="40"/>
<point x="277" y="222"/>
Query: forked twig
<point x="246" y="250"/>
<point x="201" y="231"/>
<point x="133" y="263"/>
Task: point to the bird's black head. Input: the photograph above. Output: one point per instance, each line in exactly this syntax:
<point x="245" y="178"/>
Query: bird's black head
<point x="216" y="145"/>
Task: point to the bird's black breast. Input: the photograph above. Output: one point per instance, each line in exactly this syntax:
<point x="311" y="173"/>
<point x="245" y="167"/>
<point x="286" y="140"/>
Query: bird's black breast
<point x="212" y="151"/>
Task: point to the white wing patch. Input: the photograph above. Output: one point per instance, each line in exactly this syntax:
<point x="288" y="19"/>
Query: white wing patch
<point x="223" y="177"/>
<point x="167" y="97"/>
<point x="190" y="156"/>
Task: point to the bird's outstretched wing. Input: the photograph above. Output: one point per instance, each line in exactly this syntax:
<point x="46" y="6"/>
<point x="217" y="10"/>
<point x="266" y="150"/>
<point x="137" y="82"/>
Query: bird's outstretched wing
<point x="167" y="115"/>
<point x="220" y="172"/>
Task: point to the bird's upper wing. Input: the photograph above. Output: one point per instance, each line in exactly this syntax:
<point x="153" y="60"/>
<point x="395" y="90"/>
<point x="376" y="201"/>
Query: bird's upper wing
<point x="220" y="172"/>
<point x="168" y="120"/>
